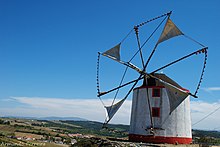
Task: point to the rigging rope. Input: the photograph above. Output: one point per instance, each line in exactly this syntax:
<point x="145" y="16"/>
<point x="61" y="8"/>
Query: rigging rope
<point x="204" y="63"/>
<point x="120" y="85"/>
<point x="206" y="116"/>
<point x="194" y="40"/>
<point x="106" y="119"/>
<point x="126" y="36"/>
<point x="151" y="55"/>
<point x="148" y="39"/>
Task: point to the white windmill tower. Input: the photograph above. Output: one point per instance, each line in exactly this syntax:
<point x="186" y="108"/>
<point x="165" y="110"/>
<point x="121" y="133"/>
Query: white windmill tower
<point x="160" y="107"/>
<point x="160" y="124"/>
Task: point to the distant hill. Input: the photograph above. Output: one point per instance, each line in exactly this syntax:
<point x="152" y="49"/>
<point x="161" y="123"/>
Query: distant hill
<point x="206" y="133"/>
<point x="48" y="118"/>
<point x="90" y="127"/>
<point x="62" y="118"/>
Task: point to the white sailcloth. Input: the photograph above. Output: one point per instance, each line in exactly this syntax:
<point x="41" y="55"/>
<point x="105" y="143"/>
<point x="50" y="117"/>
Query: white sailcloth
<point x="111" y="110"/>
<point x="170" y="30"/>
<point x="176" y="96"/>
<point x="175" y="93"/>
<point x="113" y="53"/>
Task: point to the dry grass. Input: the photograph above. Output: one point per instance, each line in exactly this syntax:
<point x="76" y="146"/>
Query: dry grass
<point x="6" y="128"/>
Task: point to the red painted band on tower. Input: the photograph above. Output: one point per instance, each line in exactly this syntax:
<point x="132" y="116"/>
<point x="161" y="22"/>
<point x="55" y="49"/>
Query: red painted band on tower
<point x="159" y="139"/>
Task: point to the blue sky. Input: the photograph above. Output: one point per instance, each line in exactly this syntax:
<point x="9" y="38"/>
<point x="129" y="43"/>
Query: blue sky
<point x="48" y="51"/>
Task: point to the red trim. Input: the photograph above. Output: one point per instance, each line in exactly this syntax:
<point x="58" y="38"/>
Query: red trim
<point x="141" y="87"/>
<point x="184" y="89"/>
<point x="159" y="139"/>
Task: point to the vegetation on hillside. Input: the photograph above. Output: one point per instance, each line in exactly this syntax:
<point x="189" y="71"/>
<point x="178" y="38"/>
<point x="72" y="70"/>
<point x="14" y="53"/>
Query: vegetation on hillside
<point x="91" y="127"/>
<point x="53" y="133"/>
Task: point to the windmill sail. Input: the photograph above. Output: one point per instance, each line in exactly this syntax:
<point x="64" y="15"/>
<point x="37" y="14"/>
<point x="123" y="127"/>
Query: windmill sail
<point x="175" y="92"/>
<point x="170" y="30"/>
<point x="176" y="96"/>
<point x="111" y="110"/>
<point x="113" y="53"/>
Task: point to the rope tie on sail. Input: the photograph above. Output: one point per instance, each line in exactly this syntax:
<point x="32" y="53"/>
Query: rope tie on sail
<point x="144" y="23"/>
<point x="97" y="79"/>
<point x="203" y="69"/>
<point x="97" y="74"/>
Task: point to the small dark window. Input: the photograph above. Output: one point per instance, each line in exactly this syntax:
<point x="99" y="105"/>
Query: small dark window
<point x="156" y="92"/>
<point x="155" y="112"/>
<point x="151" y="81"/>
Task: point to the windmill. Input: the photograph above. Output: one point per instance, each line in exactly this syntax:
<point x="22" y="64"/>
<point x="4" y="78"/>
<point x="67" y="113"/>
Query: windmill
<point x="160" y="106"/>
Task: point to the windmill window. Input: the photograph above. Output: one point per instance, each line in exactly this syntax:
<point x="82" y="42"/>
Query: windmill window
<point x="156" y="92"/>
<point x="155" y="112"/>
